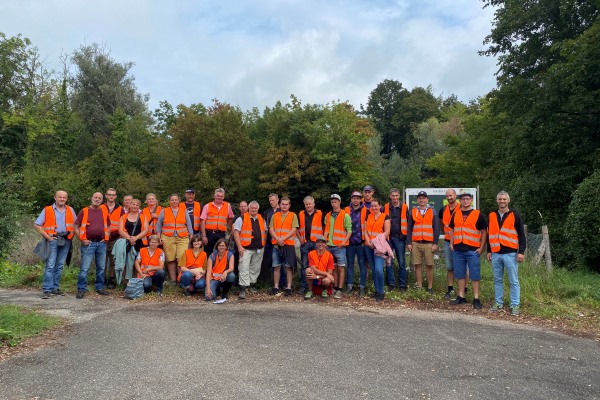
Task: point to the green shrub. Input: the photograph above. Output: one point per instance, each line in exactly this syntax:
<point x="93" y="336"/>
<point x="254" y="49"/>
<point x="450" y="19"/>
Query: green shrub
<point x="12" y="210"/>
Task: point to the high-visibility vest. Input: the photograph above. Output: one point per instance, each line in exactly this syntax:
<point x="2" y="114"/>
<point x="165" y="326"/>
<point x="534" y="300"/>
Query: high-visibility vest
<point x="403" y="217"/>
<point x="363" y="219"/>
<point x="49" y="225"/>
<point x="171" y="224"/>
<point x="192" y="261"/>
<point x="84" y="224"/>
<point x="283" y="227"/>
<point x="446" y="218"/>
<point x="316" y="227"/>
<point x="320" y="263"/>
<point x="149" y="261"/>
<point x="216" y="219"/>
<point x="219" y="266"/>
<point x="196" y="215"/>
<point x="423" y="225"/>
<point x="141" y="223"/>
<point x="151" y="222"/>
<point x="339" y="232"/>
<point x="374" y="227"/>
<point x="246" y="232"/>
<point x="114" y="217"/>
<point x="465" y="231"/>
<point x="506" y="236"/>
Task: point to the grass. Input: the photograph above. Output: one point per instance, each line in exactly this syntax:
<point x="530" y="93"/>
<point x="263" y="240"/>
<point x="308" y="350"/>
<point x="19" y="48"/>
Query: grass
<point x="17" y="324"/>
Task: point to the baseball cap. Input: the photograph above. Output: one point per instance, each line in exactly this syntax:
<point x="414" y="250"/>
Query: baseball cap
<point x="460" y="196"/>
<point x="356" y="193"/>
<point x="368" y="188"/>
<point x="190" y="190"/>
<point x="336" y="196"/>
<point x="422" y="193"/>
<point x="321" y="239"/>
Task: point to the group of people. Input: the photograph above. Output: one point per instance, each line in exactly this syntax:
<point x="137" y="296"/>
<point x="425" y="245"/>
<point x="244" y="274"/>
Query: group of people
<point x="207" y="248"/>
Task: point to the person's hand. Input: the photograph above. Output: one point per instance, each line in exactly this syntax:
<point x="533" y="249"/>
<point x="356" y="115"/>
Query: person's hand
<point x="434" y="248"/>
<point x="241" y="251"/>
<point x="310" y="274"/>
<point x="489" y="257"/>
<point x="204" y="240"/>
<point x="86" y="242"/>
<point x="478" y="251"/>
<point x="207" y="292"/>
<point x="50" y="238"/>
<point x="409" y="247"/>
<point x="223" y="277"/>
<point x="520" y="257"/>
<point x="280" y="242"/>
<point x="131" y="240"/>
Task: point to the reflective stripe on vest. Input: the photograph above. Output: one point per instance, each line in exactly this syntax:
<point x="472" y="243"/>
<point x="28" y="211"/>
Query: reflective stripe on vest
<point x="321" y="263"/>
<point x="49" y="225"/>
<point x="465" y="231"/>
<point x="84" y="223"/>
<point x="246" y="232"/>
<point x="152" y="222"/>
<point x="446" y="218"/>
<point x="339" y="232"/>
<point x="149" y="261"/>
<point x="316" y="226"/>
<point x="196" y="215"/>
<point x="114" y="217"/>
<point x="506" y="236"/>
<point x="283" y="227"/>
<point x="403" y="217"/>
<point x="423" y="226"/>
<point x="374" y="227"/>
<point x="171" y="224"/>
<point x="216" y="219"/>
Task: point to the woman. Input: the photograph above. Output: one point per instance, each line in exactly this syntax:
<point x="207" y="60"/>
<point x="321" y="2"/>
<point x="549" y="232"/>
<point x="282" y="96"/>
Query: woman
<point x="192" y="274"/>
<point x="151" y="212"/>
<point x="134" y="226"/>
<point x="149" y="265"/>
<point x="377" y="223"/>
<point x="219" y="272"/>
<point x="175" y="228"/>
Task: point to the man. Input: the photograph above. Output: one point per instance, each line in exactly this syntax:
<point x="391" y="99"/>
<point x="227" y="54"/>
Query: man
<point x="242" y="209"/>
<point x="422" y="236"/>
<point x="368" y="193"/>
<point x="193" y="208"/>
<point x="216" y="218"/>
<point x="397" y="211"/>
<point x="126" y="202"/>
<point x="283" y="227"/>
<point x="250" y="233"/>
<point x="506" y="248"/>
<point x="265" y="269"/>
<point x="338" y="229"/>
<point x="468" y="239"/>
<point x="114" y="214"/>
<point x="56" y="223"/>
<point x="445" y="215"/>
<point x="356" y="248"/>
<point x="320" y="268"/>
<point x="92" y="228"/>
<point x="311" y="227"/>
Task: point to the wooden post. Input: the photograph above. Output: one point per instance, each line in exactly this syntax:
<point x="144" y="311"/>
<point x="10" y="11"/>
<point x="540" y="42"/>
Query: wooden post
<point x="526" y="242"/>
<point x="546" y="241"/>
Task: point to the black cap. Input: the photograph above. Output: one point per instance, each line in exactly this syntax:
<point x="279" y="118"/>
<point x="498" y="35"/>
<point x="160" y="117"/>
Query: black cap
<point x="190" y="190"/>
<point x="422" y="193"/>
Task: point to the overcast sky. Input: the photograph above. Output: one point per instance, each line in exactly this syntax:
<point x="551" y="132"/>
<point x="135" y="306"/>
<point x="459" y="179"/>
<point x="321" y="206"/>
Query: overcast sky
<point x="252" y="53"/>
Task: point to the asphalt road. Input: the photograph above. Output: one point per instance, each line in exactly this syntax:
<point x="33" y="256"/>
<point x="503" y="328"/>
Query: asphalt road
<point x="291" y="350"/>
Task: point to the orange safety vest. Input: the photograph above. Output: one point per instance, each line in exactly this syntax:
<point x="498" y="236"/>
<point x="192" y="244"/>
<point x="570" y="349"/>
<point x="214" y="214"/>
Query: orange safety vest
<point x="374" y="227"/>
<point x="216" y="220"/>
<point x="84" y="224"/>
<point x="152" y="222"/>
<point x="465" y="231"/>
<point x="363" y="218"/>
<point x="446" y="218"/>
<point x="149" y="261"/>
<point x="219" y="266"/>
<point x="321" y="263"/>
<point x="506" y="236"/>
<point x="114" y="217"/>
<point x="49" y="225"/>
<point x="283" y="227"/>
<point x="339" y="232"/>
<point x="423" y="226"/>
<point x="403" y="217"/>
<point x="192" y="262"/>
<point x="196" y="214"/>
<point x="171" y="224"/>
<point x="316" y="227"/>
<point x="246" y="232"/>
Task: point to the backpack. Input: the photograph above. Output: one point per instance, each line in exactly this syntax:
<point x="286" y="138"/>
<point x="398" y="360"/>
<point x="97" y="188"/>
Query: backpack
<point x="134" y="289"/>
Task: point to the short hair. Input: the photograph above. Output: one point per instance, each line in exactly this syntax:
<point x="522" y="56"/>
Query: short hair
<point x="243" y="201"/>
<point x="285" y="198"/>
<point x="394" y="190"/>
<point x="375" y="199"/>
<point x="220" y="190"/>
<point x="273" y="195"/>
<point x="309" y="198"/>
<point x="174" y="194"/>
<point x="222" y="240"/>
<point x="138" y="201"/>
<point x="153" y="237"/>
<point x="111" y="190"/>
<point x="503" y="192"/>
<point x="254" y="203"/>
<point x="151" y="195"/>
<point x="196" y="237"/>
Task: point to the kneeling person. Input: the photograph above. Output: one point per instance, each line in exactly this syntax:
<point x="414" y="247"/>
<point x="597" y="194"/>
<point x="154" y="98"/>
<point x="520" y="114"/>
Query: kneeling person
<point x="219" y="272"/>
<point x="193" y="267"/>
<point x="150" y="264"/>
<point x="320" y="268"/>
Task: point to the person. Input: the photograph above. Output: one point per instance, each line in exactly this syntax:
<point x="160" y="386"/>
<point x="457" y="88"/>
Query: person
<point x="311" y="226"/>
<point x="250" y="233"/>
<point x="356" y="248"/>
<point x="115" y="211"/>
<point x="219" y="272"/>
<point x="56" y="224"/>
<point x="338" y="229"/>
<point x="320" y="268"/>
<point x="422" y="236"/>
<point x="91" y="226"/>
<point x="151" y="212"/>
<point x="445" y="216"/>
<point x="193" y="208"/>
<point x="192" y="275"/>
<point x="175" y="229"/>
<point x="376" y="224"/>
<point x="150" y="264"/>
<point x="215" y="219"/>
<point x="397" y="210"/>
<point x="506" y="249"/>
<point x="468" y="240"/>
<point x="283" y="228"/>
<point x="133" y="227"/>
<point x="265" y="268"/>
<point x="126" y="201"/>
<point x="368" y="193"/>
<point x="242" y="209"/>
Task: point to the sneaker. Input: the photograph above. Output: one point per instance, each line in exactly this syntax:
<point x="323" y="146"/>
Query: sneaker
<point x="337" y="294"/>
<point x="102" y="292"/>
<point x="80" y="295"/>
<point x="448" y="294"/>
<point x="242" y="295"/>
<point x="379" y="296"/>
<point x="274" y="291"/>
<point x="45" y="295"/>
<point x="430" y="291"/>
<point x="403" y="288"/>
<point x="349" y="289"/>
<point x="187" y="293"/>
<point x="514" y="311"/>
<point x="324" y="293"/>
<point x="362" y="292"/>
<point x="308" y="295"/>
<point x="476" y="304"/>
<point x="459" y="300"/>
<point x="252" y="289"/>
<point x="287" y="292"/>
<point x="391" y="288"/>
<point x="111" y="285"/>
<point x="57" y="292"/>
<point x="496" y="307"/>
<point x="159" y="293"/>
<point x="301" y="291"/>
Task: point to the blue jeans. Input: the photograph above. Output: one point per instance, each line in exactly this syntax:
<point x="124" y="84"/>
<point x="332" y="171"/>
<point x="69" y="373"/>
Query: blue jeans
<point x="357" y="250"/>
<point x="466" y="259"/>
<point x="506" y="262"/>
<point x="54" y="265"/>
<point x="215" y="284"/>
<point x="97" y="251"/>
<point x="186" y="280"/>
<point x="398" y="246"/>
<point x="155" y="280"/>
<point x="377" y="266"/>
<point x="304" y="250"/>
<point x="448" y="254"/>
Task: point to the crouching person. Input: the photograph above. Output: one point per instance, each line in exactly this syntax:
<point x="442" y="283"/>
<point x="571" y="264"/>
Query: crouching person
<point x="320" y="268"/>
<point x="149" y="265"/>
<point x="193" y="267"/>
<point x="219" y="272"/>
